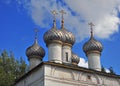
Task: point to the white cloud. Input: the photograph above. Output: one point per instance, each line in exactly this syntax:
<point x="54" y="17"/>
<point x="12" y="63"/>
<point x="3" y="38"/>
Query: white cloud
<point x="107" y="70"/>
<point x="83" y="63"/>
<point x="103" y="13"/>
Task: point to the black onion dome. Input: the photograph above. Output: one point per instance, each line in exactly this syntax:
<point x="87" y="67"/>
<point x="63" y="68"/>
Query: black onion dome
<point x="35" y="51"/>
<point x="53" y="34"/>
<point x="92" y="45"/>
<point x="75" y="59"/>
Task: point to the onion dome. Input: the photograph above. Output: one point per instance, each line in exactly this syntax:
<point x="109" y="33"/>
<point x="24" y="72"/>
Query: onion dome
<point x="75" y="59"/>
<point x="69" y="38"/>
<point x="53" y="35"/>
<point x="92" y="45"/>
<point x="35" y="51"/>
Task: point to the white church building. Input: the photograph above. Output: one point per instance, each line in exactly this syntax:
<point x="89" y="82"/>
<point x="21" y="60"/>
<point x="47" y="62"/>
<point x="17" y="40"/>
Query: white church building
<point x="62" y="68"/>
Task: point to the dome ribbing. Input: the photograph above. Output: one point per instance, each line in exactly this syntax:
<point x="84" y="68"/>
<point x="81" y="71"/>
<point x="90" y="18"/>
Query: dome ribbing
<point x="75" y="59"/>
<point x="92" y="44"/>
<point x="35" y="51"/>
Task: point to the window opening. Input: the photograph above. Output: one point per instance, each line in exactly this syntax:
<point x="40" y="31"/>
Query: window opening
<point x="66" y="56"/>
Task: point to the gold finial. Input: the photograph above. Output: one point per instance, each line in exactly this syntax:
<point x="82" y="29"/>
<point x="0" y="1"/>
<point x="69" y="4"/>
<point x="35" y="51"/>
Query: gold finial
<point x="62" y="12"/>
<point x="91" y="27"/>
<point x="36" y="33"/>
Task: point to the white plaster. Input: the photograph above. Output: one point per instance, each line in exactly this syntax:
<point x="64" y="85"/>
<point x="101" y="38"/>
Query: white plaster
<point x="48" y="75"/>
<point x="34" y="62"/>
<point x="69" y="77"/>
<point x="94" y="61"/>
<point x="36" y="78"/>
<point x="55" y="52"/>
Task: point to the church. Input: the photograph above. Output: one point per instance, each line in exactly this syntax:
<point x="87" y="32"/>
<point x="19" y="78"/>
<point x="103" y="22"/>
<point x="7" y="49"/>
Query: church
<point x="62" y="68"/>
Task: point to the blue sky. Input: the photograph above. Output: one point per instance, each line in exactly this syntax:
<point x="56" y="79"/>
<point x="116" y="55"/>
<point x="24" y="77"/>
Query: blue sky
<point x="19" y="18"/>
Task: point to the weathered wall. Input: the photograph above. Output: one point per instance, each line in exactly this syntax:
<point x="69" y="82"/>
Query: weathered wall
<point x="36" y="78"/>
<point x="56" y="76"/>
<point x="53" y="75"/>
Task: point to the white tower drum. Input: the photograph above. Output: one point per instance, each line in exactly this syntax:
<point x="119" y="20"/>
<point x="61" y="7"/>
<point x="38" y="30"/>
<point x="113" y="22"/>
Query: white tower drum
<point x="53" y="39"/>
<point x="68" y="42"/>
<point x="35" y="53"/>
<point x="93" y="49"/>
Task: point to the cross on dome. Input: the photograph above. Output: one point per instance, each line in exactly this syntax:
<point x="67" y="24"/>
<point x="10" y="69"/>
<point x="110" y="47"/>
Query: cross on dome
<point x="36" y="33"/>
<point x="62" y="12"/>
<point x="91" y="27"/>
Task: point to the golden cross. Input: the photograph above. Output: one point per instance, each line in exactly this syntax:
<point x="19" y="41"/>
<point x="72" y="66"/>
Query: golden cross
<point x="62" y="12"/>
<point x="54" y="13"/>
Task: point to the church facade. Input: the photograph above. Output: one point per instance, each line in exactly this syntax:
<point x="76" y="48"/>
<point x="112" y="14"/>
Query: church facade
<point x="62" y="68"/>
<point x="55" y="74"/>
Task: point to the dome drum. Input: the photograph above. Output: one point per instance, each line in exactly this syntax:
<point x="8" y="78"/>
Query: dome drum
<point x="53" y="41"/>
<point x="67" y="44"/>
<point x="93" y="51"/>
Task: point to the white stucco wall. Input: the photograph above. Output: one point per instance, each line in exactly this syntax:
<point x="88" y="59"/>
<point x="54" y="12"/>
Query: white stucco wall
<point x="34" y="79"/>
<point x="55" y="52"/>
<point x="52" y="75"/>
<point x="57" y="76"/>
<point x="66" y="49"/>
<point x="94" y="61"/>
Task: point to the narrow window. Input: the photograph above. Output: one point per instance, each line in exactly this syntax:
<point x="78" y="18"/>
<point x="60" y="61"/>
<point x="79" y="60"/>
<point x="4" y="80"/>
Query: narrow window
<point x="66" y="56"/>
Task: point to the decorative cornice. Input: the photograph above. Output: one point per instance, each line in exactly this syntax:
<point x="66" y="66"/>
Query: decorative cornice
<point x="54" y="41"/>
<point x="93" y="51"/>
<point x="67" y="44"/>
